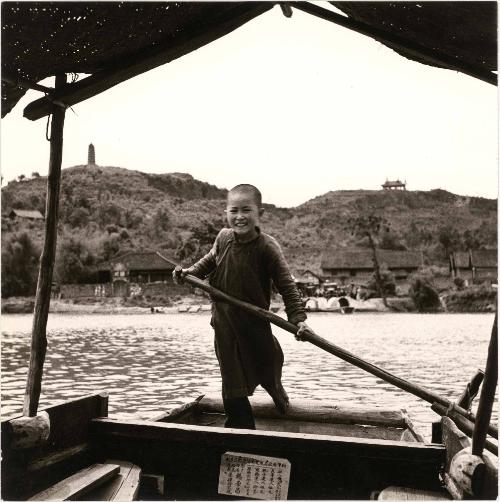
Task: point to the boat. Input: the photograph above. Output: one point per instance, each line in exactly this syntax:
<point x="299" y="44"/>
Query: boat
<point x="345" y="307"/>
<point x="73" y="450"/>
<point x="322" y="451"/>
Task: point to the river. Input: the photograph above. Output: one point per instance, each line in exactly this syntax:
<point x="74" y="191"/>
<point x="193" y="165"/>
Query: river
<point x="149" y="363"/>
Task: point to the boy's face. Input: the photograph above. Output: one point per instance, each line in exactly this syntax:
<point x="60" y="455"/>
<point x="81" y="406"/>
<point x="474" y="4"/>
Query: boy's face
<point x="243" y="214"/>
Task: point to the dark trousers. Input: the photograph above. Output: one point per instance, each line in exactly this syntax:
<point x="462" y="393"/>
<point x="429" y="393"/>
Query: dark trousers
<point x="239" y="413"/>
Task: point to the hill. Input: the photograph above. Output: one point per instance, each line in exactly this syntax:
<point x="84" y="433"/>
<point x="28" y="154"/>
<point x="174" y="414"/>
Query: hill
<point x="110" y="210"/>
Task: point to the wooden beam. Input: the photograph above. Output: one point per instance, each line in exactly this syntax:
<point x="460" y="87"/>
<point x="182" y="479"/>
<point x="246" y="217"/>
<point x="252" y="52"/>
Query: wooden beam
<point x="22" y="82"/>
<point x="314" y="412"/>
<point x="221" y="438"/>
<point x="165" y="52"/>
<point x="487" y="394"/>
<point x="44" y="285"/>
<point x="433" y="56"/>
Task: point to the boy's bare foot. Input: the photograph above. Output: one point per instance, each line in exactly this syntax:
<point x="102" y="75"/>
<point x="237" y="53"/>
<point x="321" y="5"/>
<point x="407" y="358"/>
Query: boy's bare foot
<point x="280" y="398"/>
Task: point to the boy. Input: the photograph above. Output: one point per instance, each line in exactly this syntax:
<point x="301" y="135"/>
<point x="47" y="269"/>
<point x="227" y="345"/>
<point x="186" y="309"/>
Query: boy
<point x="242" y="262"/>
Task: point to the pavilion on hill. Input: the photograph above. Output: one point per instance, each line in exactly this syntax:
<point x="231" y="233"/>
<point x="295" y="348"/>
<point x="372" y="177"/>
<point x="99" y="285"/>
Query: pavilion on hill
<point x="394" y="185"/>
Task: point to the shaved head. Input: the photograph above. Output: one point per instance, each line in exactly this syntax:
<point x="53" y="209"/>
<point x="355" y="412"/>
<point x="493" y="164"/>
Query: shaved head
<point x="246" y="189"/>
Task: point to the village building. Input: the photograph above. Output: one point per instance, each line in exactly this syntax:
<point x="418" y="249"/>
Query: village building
<point x="355" y="265"/>
<point x="135" y="268"/>
<point x="26" y="214"/>
<point x="394" y="185"/>
<point x="475" y="266"/>
<point x="308" y="282"/>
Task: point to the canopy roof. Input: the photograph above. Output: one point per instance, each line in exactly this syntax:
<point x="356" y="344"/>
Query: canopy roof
<point x="115" y="41"/>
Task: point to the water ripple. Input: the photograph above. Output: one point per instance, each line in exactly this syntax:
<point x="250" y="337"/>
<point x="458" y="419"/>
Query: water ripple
<point x="151" y="363"/>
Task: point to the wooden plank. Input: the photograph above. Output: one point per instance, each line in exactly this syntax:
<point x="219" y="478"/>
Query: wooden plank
<point x="179" y="412"/>
<point x="411" y="430"/>
<point x="123" y="487"/>
<point x="56" y="457"/>
<point x="312" y="411"/>
<point x="240" y="438"/>
<point x="303" y="427"/>
<point x="405" y="493"/>
<point x="44" y="284"/>
<point x="160" y="54"/>
<point x="79" y="484"/>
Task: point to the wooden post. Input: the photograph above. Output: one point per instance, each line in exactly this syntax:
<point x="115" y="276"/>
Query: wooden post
<point x="487" y="394"/>
<point x="44" y="285"/>
<point x="470" y="392"/>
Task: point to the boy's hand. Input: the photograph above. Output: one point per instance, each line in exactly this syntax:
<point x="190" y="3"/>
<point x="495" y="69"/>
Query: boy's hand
<point x="304" y="329"/>
<point x="178" y="274"/>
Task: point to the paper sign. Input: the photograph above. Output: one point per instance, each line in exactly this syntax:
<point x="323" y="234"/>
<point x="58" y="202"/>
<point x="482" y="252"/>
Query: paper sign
<point x="254" y="476"/>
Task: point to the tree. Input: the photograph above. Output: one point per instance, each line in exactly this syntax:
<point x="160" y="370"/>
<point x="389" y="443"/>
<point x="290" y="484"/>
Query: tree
<point x="21" y="177"/>
<point x="387" y="281"/>
<point x="418" y="236"/>
<point x="424" y="295"/>
<point x="20" y="260"/>
<point x="79" y="217"/>
<point x="369" y="226"/>
<point x="35" y="174"/>
<point x="74" y="262"/>
<point x="449" y="238"/>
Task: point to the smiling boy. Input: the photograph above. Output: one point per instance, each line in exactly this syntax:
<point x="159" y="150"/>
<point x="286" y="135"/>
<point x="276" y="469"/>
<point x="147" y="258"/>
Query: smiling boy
<point x="243" y="263"/>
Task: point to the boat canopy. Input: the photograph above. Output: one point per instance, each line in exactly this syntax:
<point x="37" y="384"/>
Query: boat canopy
<point x="115" y="41"/>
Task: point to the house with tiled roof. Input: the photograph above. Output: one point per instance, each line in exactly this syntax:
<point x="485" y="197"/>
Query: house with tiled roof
<point x="135" y="268"/>
<point x="346" y="265"/>
<point x="26" y="214"/>
<point x="308" y="281"/>
<point x="475" y="266"/>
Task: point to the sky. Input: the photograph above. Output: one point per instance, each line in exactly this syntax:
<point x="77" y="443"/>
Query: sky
<point x="296" y="106"/>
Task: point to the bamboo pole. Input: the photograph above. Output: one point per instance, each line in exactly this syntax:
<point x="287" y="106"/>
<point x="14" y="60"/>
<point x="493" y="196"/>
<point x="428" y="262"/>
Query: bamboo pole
<point x="414" y="389"/>
<point x="487" y="394"/>
<point x="44" y="284"/>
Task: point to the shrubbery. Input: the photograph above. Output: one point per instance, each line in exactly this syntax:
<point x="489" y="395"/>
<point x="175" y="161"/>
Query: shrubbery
<point x="423" y="293"/>
<point x="20" y="260"/>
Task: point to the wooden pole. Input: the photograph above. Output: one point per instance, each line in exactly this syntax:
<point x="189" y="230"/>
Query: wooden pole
<point x="44" y="285"/>
<point x="416" y="390"/>
<point x="487" y="394"/>
<point x="470" y="392"/>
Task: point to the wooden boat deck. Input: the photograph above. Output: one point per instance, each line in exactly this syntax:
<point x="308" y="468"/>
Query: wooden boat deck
<point x="334" y="452"/>
<point x="304" y="417"/>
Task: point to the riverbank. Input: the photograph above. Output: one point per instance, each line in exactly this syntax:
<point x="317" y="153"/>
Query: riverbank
<point x="471" y="300"/>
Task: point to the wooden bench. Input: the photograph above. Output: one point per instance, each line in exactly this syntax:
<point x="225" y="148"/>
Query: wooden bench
<point x="123" y="487"/>
<point x="113" y="480"/>
<point x="80" y="483"/>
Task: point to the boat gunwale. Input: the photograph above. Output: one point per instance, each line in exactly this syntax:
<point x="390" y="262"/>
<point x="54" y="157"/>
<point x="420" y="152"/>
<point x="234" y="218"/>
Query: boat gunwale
<point x="312" y="443"/>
